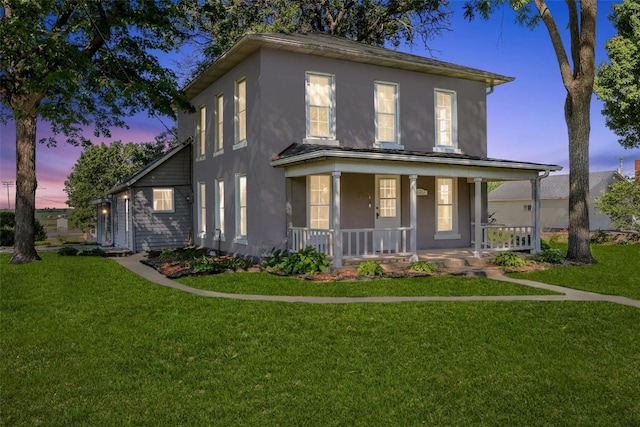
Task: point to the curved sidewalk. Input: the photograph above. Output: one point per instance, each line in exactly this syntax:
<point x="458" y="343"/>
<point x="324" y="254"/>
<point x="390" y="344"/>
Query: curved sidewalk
<point x="133" y="263"/>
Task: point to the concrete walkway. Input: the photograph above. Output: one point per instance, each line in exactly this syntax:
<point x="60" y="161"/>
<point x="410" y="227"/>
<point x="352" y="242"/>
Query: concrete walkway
<point x="133" y="263"/>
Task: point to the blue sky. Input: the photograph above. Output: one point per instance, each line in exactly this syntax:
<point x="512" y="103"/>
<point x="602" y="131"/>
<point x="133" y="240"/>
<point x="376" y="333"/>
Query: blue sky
<point x="525" y="117"/>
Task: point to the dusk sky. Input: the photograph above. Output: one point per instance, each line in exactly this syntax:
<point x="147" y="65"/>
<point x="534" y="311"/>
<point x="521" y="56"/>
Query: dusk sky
<point x="525" y="117"/>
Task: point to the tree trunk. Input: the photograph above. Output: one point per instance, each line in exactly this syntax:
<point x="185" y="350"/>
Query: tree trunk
<point x="24" y="249"/>
<point x="577" y="111"/>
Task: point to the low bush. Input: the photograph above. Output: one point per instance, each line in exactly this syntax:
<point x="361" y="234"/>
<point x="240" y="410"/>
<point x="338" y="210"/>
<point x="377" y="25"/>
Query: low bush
<point x="551" y="256"/>
<point x="92" y="252"/>
<point x="508" y="259"/>
<point x="67" y="251"/>
<point x="599" y="237"/>
<point x="370" y="268"/>
<point x="422" y="266"/>
<point x="305" y="261"/>
<point x="7" y="229"/>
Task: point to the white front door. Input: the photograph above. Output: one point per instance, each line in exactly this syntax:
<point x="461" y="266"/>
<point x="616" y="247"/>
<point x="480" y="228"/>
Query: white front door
<point x="387" y="212"/>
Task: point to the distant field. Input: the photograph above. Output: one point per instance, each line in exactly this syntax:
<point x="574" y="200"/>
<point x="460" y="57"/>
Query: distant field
<point x="49" y="217"/>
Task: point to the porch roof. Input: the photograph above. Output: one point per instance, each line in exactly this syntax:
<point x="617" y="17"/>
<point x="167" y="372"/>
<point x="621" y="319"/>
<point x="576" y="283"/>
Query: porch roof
<point x="304" y="159"/>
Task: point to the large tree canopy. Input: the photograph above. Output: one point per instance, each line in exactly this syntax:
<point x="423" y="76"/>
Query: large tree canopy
<point x="374" y="22"/>
<point x="102" y="167"/>
<point x="577" y="70"/>
<point x="618" y="83"/>
<point x="77" y="64"/>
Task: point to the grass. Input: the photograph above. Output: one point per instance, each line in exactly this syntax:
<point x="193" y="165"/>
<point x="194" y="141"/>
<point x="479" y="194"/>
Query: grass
<point x="269" y="284"/>
<point x="86" y="343"/>
<point x="616" y="273"/>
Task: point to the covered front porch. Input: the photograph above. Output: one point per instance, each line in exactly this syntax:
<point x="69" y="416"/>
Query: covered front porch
<point x="368" y="203"/>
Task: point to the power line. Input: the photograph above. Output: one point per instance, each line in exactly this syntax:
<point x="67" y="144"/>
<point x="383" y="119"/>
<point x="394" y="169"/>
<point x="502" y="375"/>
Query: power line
<point x="8" y="184"/>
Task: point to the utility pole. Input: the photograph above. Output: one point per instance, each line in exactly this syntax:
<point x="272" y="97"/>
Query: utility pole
<point x="8" y="184"/>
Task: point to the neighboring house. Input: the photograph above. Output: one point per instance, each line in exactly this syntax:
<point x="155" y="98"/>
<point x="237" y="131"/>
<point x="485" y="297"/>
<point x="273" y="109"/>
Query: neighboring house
<point x="512" y="202"/>
<point x="152" y="209"/>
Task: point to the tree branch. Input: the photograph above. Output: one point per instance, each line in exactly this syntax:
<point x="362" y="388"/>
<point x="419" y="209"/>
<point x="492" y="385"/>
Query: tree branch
<point x="556" y="41"/>
<point x="574" y="32"/>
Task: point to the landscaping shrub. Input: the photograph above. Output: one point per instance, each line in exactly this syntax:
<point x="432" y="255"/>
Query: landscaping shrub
<point x="305" y="261"/>
<point x="508" y="259"/>
<point x="600" y="237"/>
<point x="544" y="245"/>
<point x="370" y="268"/>
<point x="7" y="229"/>
<point x="67" y="251"/>
<point x="275" y="257"/>
<point x="92" y="252"/>
<point x="422" y="266"/>
<point x="552" y="256"/>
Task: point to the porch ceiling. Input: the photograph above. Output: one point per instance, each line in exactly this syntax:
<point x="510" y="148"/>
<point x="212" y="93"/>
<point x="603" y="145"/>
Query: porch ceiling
<point x="307" y="159"/>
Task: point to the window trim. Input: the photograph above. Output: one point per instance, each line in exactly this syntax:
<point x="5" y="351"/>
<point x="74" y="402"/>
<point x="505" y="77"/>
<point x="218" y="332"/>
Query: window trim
<point x="454" y="232"/>
<point x="201" y="133"/>
<point x="219" y="219"/>
<point x="329" y="203"/>
<point x="395" y="144"/>
<point x="241" y="238"/>
<point x="330" y="139"/>
<point x="218" y="135"/>
<point x="453" y="148"/>
<point x="202" y="209"/>
<point x="173" y="200"/>
<point x="239" y="142"/>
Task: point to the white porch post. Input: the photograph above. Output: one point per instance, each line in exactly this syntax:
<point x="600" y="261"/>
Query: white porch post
<point x="535" y="214"/>
<point x="477" y="251"/>
<point x="414" y="218"/>
<point x="337" y="234"/>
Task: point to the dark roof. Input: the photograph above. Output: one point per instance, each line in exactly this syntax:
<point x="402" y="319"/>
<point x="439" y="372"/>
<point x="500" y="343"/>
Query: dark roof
<point x="552" y="187"/>
<point x="295" y="153"/>
<point x="337" y="48"/>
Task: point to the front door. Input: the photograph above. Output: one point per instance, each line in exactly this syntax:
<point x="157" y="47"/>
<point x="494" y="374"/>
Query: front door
<point x="387" y="212"/>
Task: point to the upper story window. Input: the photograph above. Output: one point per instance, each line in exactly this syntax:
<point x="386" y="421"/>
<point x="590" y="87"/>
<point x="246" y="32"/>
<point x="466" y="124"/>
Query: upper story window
<point x="219" y="119"/>
<point x="446" y="119"/>
<point x="201" y="133"/>
<point x="163" y="200"/>
<point x="386" y="106"/>
<point x="320" y="106"/>
<point x="240" y="118"/>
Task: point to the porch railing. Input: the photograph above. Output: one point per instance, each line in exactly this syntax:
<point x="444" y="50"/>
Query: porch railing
<point x="496" y="237"/>
<point x="318" y="238"/>
<point x="370" y="242"/>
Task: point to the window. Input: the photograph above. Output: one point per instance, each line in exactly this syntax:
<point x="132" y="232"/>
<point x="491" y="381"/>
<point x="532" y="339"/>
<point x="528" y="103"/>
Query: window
<point x="319" y="201"/>
<point x="163" y="199"/>
<point x="388" y="197"/>
<point x="241" y="208"/>
<point x="219" y="117"/>
<point x="446" y="209"/>
<point x="201" y="132"/>
<point x="220" y="207"/>
<point x="241" y="112"/>
<point x="320" y="106"/>
<point x="386" y="105"/>
<point x="202" y="209"/>
<point x="446" y="121"/>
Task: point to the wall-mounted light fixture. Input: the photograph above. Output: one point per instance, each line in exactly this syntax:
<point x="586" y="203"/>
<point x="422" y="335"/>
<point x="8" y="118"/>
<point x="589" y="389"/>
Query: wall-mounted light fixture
<point x="104" y="211"/>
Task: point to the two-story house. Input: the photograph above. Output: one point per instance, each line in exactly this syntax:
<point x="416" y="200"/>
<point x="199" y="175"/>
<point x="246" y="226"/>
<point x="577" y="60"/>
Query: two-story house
<point x="356" y="150"/>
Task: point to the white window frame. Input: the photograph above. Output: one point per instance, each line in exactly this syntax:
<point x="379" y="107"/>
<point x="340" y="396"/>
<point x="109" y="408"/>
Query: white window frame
<point x="451" y="147"/>
<point x="453" y="233"/>
<point x="241" y="210"/>
<point x="219" y="216"/>
<point x="240" y="113"/>
<point x="311" y="205"/>
<point x="380" y="143"/>
<point x="218" y="138"/>
<point x="329" y="139"/>
<point x="202" y="209"/>
<point x="201" y="133"/>
<point x="157" y="191"/>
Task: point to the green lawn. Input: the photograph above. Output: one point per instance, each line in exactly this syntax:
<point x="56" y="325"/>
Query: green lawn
<point x="616" y="273"/>
<point x="268" y="284"/>
<point x="85" y="342"/>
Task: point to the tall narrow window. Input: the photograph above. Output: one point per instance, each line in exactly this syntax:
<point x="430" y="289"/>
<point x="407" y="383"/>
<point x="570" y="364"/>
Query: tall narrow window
<point x="386" y="105"/>
<point x="220" y="208"/>
<point x="241" y="111"/>
<point x="446" y="121"/>
<point x="388" y="197"/>
<point x="201" y="132"/>
<point x="163" y="199"/>
<point x="241" y="208"/>
<point x="202" y="209"/>
<point x="320" y="106"/>
<point x="446" y="208"/>
<point x="319" y="201"/>
<point x="219" y="117"/>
